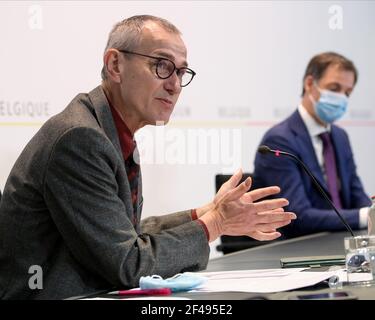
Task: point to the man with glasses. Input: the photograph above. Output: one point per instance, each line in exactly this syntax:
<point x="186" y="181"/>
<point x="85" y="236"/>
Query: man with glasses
<point x="72" y="203"/>
<point x="310" y="134"/>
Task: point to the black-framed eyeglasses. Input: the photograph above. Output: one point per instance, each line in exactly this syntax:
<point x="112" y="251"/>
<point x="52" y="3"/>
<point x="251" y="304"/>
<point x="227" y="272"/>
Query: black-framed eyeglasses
<point x="166" y="67"/>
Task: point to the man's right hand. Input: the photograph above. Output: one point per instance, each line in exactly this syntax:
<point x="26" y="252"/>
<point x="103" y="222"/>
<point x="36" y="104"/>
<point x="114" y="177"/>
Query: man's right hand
<point x="236" y="213"/>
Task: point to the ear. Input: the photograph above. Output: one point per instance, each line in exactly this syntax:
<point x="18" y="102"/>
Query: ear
<point x="111" y="64"/>
<point x="308" y="84"/>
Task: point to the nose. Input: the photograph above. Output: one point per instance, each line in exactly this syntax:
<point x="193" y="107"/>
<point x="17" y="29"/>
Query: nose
<point x="172" y="84"/>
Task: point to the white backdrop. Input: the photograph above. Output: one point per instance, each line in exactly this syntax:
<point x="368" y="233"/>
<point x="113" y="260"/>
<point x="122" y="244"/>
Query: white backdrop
<point x="249" y="57"/>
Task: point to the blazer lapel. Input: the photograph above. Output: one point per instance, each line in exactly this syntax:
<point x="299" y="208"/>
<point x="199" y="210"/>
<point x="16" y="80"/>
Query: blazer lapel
<point x="104" y="116"/>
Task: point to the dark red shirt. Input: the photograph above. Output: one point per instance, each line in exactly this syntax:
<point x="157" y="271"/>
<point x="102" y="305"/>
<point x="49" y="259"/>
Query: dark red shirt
<point x="128" y="146"/>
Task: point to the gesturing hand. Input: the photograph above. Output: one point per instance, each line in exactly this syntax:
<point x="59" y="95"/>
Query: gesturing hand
<point x="236" y="213"/>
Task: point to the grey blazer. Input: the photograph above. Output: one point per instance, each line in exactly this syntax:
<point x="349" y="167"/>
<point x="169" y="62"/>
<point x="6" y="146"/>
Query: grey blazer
<point x="66" y="207"/>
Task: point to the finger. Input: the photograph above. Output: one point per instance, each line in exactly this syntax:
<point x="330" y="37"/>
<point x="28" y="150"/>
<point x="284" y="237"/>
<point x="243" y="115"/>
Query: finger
<point x="277" y="210"/>
<point x="264" y="236"/>
<point x="271" y="227"/>
<point x="247" y="198"/>
<point x="234" y="179"/>
<point x="267" y="205"/>
<point x="239" y="191"/>
<point x="228" y="185"/>
<point x="272" y="216"/>
<point x="264" y="192"/>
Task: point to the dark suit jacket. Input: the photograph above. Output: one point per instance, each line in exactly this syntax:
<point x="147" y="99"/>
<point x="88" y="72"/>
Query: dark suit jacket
<point x="67" y="208"/>
<point x="313" y="213"/>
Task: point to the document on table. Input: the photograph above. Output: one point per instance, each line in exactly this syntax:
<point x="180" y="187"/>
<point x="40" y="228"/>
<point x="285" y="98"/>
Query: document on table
<point x="261" y="281"/>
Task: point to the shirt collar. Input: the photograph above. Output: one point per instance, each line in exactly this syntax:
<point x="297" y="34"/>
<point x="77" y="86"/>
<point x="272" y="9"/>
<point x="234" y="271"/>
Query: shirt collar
<point x="126" y="138"/>
<point x="312" y="126"/>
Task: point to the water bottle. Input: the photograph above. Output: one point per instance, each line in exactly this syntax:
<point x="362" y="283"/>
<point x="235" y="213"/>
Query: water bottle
<point x="371" y="218"/>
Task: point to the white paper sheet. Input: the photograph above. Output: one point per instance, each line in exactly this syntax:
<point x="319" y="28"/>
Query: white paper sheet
<point x="262" y="281"/>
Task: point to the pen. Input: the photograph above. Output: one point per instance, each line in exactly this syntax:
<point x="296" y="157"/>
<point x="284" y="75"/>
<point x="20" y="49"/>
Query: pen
<point x="143" y="292"/>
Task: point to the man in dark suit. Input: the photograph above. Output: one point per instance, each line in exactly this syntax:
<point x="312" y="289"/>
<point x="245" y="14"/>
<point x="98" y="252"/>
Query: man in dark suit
<point x="310" y="134"/>
<point x="70" y="217"/>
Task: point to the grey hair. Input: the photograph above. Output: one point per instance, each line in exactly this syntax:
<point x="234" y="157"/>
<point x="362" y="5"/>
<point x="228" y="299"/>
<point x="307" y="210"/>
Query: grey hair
<point x="126" y="34"/>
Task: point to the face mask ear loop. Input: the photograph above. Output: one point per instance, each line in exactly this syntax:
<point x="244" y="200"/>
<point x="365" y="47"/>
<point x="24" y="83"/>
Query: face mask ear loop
<point x="313" y="101"/>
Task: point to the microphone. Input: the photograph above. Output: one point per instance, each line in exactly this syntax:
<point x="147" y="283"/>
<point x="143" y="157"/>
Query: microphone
<point x="265" y="149"/>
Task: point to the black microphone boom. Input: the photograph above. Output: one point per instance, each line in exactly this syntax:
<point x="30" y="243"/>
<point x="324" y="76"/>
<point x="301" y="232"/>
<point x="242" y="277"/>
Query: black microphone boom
<point x="265" y="149"/>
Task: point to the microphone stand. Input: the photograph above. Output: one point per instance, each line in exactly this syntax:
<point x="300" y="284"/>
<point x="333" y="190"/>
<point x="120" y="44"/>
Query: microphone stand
<point x="265" y="149"/>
